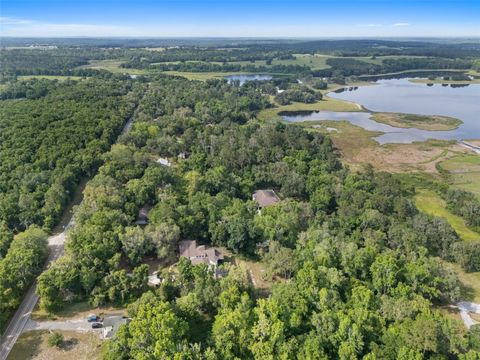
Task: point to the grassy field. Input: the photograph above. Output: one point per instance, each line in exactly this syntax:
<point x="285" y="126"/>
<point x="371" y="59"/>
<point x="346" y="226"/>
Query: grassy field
<point x="112" y="66"/>
<point x="429" y="202"/>
<point x="424" y="122"/>
<point x="319" y="61"/>
<point x="33" y="345"/>
<point x="326" y="104"/>
<point x="464" y="170"/>
<point x="315" y="62"/>
<point x="75" y="310"/>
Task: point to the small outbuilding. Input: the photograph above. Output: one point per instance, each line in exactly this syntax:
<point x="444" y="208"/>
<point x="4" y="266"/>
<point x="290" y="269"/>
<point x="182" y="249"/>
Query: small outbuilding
<point x="164" y="162"/>
<point x="154" y="280"/>
<point x="265" y="198"/>
<point x="142" y="218"/>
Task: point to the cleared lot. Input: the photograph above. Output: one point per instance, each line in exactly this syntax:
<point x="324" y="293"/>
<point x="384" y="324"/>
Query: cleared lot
<point x="78" y="346"/>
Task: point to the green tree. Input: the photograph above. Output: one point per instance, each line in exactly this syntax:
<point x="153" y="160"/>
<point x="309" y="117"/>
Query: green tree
<point x="164" y="238"/>
<point x="135" y="244"/>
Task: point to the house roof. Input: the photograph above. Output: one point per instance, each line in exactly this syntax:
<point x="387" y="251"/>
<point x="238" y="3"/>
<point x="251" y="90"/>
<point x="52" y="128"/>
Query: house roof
<point x="265" y="197"/>
<point x="164" y="161"/>
<point x="199" y="254"/>
<point x="153" y="279"/>
<point x="142" y="217"/>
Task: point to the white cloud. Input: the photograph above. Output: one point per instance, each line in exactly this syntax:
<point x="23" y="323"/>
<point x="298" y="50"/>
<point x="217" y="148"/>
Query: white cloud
<point x="13" y="21"/>
<point x="401" y="24"/>
<point x="21" y="27"/>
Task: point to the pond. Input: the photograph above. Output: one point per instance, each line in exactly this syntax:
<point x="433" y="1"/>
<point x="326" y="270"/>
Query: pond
<point x="406" y="97"/>
<point x="247" y="77"/>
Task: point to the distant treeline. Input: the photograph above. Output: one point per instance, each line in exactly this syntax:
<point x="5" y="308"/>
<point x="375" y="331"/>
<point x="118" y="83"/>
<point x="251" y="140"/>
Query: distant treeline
<point x="349" y="67"/>
<point x="209" y="55"/>
<point x="378" y="48"/>
<point x="54" y="61"/>
<point x="209" y="67"/>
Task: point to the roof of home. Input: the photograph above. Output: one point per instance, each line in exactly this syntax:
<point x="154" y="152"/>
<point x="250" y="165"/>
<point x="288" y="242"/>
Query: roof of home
<point x="265" y="197"/>
<point x="153" y="279"/>
<point x="164" y="161"/>
<point x="142" y="218"/>
<point x="199" y="254"/>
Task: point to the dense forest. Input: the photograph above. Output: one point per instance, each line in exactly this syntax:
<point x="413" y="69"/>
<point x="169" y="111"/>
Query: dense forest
<point x="350" y="66"/>
<point x="51" y="135"/>
<point x="358" y="269"/>
<point x="355" y="270"/>
<point x="45" y="61"/>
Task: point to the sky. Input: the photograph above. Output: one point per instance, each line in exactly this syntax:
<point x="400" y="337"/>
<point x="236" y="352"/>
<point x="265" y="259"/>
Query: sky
<point x="234" y="18"/>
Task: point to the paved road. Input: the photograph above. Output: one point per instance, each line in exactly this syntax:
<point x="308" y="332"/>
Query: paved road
<point x="465" y="309"/>
<point x="78" y="324"/>
<point x="22" y="315"/>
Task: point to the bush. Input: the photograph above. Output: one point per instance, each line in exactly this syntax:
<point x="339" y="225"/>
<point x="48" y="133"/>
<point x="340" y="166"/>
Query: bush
<point x="55" y="339"/>
<point x="467" y="254"/>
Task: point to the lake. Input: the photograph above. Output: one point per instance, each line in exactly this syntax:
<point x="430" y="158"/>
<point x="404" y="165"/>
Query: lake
<point x="247" y="77"/>
<point x="403" y="96"/>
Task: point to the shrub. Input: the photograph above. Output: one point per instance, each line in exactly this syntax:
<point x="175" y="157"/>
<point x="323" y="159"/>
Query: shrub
<point x="55" y="339"/>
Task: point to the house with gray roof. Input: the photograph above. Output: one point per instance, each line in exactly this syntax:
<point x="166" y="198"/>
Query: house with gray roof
<point x="265" y="198"/>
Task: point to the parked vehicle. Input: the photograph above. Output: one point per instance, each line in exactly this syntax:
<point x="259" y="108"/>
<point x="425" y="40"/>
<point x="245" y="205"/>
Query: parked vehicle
<point x="97" y="325"/>
<point x="92" y="318"/>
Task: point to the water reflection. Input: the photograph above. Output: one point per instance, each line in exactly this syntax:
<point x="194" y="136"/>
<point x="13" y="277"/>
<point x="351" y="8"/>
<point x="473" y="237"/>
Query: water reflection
<point x="403" y="96"/>
<point x="364" y="119"/>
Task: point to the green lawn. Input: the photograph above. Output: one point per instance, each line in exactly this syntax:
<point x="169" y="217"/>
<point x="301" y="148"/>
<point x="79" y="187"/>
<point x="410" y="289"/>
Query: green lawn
<point x="429" y="202"/>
